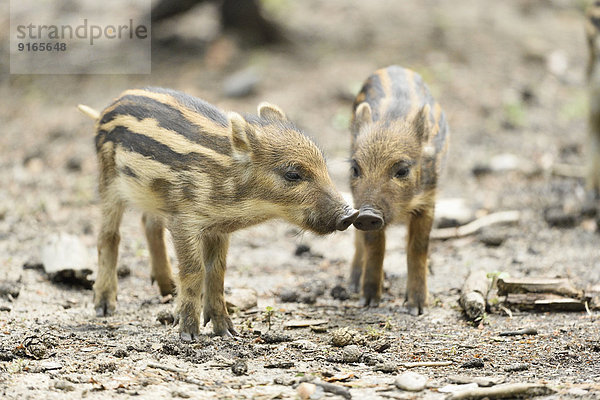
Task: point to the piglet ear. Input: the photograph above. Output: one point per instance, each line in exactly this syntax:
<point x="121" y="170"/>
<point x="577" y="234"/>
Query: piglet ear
<point x="239" y="139"/>
<point x="270" y="111"/>
<point x="421" y="122"/>
<point x="363" y="114"/>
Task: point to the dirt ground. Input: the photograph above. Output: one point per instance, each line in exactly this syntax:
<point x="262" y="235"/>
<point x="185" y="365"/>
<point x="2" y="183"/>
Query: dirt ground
<point x="510" y="76"/>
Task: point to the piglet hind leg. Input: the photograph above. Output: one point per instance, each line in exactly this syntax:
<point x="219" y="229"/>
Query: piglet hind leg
<point x="419" y="227"/>
<point x="215" y="260"/>
<point x="188" y="246"/>
<point x="105" y="288"/>
<point x="154" y="228"/>
<point x="371" y="282"/>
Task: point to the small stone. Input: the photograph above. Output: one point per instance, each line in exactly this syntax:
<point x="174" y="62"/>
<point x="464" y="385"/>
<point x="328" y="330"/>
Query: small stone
<point x="411" y="381"/>
<point x="453" y="212"/>
<point x="123" y="271"/>
<point x="275" y="337"/>
<point x="239" y="367"/>
<point x="479" y="170"/>
<point x="67" y="260"/>
<point x="308" y="298"/>
<point x="73" y="164"/>
<point x="372" y="359"/>
<point x="280" y="364"/>
<point x="480" y="381"/>
<point x="339" y="292"/>
<point x="577" y="392"/>
<point x="381" y="346"/>
<point x="64" y="385"/>
<point x="492" y="238"/>
<point x="473" y="364"/>
<point x="64" y="251"/>
<point x="50" y="365"/>
<point x="302" y="249"/>
<point x="505" y="162"/>
<point x="9" y="289"/>
<point x="557" y="62"/>
<point x="170" y="349"/>
<point x="7" y="355"/>
<point x="121" y="353"/>
<point x="387" y="367"/>
<point x="242" y="299"/>
<point x="34" y="264"/>
<point x="517" y="367"/>
<point x="289" y="296"/>
<point x="316" y="329"/>
<point x="557" y="217"/>
<point x="304" y="345"/>
<point x="165" y="317"/>
<point x="305" y="390"/>
<point x="351" y="354"/>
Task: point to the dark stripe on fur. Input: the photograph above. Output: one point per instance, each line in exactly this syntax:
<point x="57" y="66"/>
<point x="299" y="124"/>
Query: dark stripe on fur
<point x="194" y="103"/>
<point x="157" y="151"/>
<point x="169" y="118"/>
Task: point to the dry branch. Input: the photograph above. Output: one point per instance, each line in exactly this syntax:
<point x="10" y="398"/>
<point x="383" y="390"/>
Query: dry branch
<point x="504" y="391"/>
<point x="474" y="294"/>
<point x="543" y="302"/>
<point x="558" y="286"/>
<point x="569" y="171"/>
<point x="502" y="217"/>
<point x="525" y="331"/>
<point x="427" y="364"/>
<point x="166" y="368"/>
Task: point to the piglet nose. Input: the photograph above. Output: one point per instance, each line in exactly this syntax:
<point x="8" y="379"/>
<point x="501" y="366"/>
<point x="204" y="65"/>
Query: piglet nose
<point x="368" y="220"/>
<point x="347" y="219"/>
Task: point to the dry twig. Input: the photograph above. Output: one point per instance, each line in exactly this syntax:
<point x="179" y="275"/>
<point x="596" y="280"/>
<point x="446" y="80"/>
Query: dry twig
<point x="502" y="217"/>
<point x="427" y="364"/>
<point x="504" y="391"/>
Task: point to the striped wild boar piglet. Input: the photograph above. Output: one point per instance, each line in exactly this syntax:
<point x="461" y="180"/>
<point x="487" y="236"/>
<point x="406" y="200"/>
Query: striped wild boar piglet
<point x="399" y="140"/>
<point x="202" y="174"/>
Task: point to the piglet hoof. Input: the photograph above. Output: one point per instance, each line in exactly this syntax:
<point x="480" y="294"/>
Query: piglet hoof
<point x="166" y="286"/>
<point x="370" y="295"/>
<point x="188" y="332"/>
<point x="104" y="308"/>
<point x="368" y="301"/>
<point x="415" y="308"/>
<point x="188" y="337"/>
<point x="222" y="325"/>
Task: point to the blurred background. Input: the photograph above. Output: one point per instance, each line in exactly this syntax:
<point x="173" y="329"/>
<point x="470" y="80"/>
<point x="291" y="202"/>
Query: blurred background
<point x="510" y="76"/>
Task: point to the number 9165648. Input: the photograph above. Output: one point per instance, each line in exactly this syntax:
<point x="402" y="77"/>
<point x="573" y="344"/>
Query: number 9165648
<point x="59" y="46"/>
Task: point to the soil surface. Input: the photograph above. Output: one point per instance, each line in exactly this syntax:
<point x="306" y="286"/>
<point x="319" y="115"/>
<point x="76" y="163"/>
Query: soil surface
<point x="510" y="76"/>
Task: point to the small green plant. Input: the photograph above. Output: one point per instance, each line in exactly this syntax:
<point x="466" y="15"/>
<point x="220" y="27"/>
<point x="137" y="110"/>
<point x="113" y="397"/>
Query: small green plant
<point x="268" y="315"/>
<point x="514" y="113"/>
<point x="248" y="325"/>
<point x="373" y="333"/>
<point x="388" y="325"/>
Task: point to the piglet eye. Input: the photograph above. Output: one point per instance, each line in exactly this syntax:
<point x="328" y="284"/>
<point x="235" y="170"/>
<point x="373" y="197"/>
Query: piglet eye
<point x="402" y="172"/>
<point x="292" y="176"/>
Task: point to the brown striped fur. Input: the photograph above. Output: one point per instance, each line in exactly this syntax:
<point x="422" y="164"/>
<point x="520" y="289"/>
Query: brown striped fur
<point x="399" y="141"/>
<point x="592" y="29"/>
<point x="202" y="174"/>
